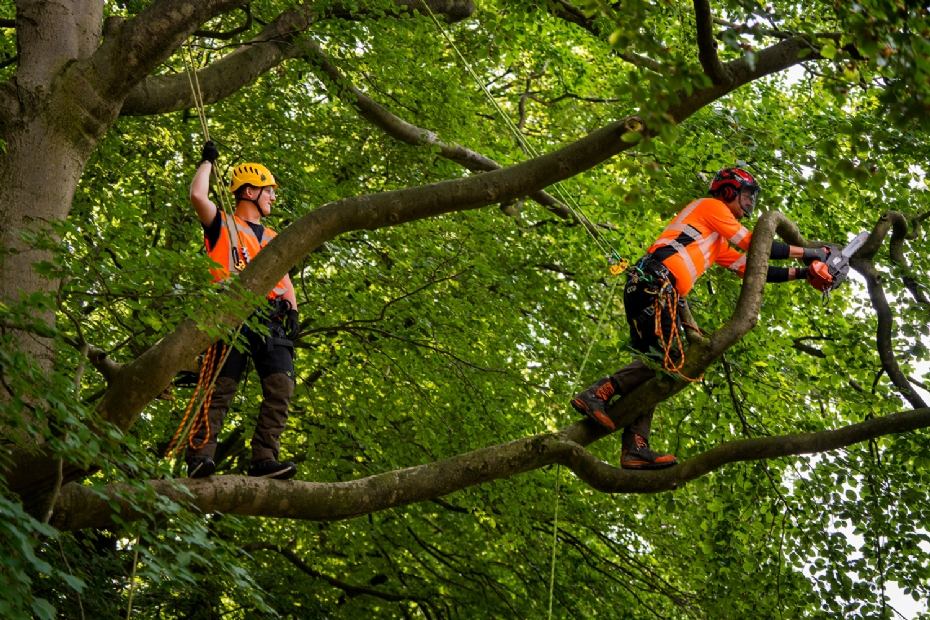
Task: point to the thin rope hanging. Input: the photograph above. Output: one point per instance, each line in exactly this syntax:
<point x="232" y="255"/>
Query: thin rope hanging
<point x="616" y="268"/>
<point x="228" y="215"/>
<point x="212" y="361"/>
<point x="565" y="196"/>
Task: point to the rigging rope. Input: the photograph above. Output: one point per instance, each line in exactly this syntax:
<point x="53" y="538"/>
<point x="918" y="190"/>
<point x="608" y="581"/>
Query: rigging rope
<point x="212" y="364"/>
<point x="565" y="196"/>
<point x="228" y="215"/>
<point x="618" y="264"/>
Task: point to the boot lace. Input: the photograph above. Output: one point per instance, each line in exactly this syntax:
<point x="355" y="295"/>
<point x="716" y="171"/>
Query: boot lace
<point x="605" y="391"/>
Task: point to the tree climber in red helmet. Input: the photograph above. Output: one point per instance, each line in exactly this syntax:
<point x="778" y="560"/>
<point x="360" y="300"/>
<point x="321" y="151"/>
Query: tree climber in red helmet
<point x="233" y="241"/>
<point x="698" y="237"/>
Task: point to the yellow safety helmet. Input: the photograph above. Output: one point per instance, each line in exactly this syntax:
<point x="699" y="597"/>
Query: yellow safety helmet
<point x="251" y="174"/>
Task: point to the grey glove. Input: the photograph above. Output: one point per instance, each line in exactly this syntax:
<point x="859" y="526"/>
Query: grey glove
<point x="812" y="254"/>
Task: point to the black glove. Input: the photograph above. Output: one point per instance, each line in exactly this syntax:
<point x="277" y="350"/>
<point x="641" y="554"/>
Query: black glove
<point x="292" y="325"/>
<point x="812" y="254"/>
<point x="210" y="153"/>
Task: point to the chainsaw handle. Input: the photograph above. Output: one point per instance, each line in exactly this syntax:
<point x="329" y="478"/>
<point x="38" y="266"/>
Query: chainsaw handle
<point x="818" y="276"/>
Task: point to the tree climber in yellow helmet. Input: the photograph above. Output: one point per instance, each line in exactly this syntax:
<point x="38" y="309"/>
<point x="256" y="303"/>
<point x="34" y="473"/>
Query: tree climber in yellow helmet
<point x="232" y="242"/>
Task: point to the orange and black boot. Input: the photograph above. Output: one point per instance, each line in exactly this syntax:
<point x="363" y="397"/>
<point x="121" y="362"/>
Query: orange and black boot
<point x="593" y="402"/>
<point x="638" y="455"/>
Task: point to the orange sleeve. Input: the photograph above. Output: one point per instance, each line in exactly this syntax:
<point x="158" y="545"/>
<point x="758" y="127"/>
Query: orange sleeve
<point x="719" y="219"/>
<point x="732" y="260"/>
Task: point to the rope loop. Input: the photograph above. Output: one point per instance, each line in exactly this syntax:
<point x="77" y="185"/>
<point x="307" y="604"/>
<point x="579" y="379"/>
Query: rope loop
<point x="668" y="296"/>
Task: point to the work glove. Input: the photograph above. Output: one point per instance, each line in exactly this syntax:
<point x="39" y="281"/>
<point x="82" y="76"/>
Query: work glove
<point x="292" y="325"/>
<point x="210" y="153"/>
<point x="812" y="254"/>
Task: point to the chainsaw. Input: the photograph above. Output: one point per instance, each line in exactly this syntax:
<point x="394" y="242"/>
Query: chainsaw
<point x="827" y="276"/>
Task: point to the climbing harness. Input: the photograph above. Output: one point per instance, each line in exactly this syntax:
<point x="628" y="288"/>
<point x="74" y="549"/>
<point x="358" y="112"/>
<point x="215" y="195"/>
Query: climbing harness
<point x="658" y="278"/>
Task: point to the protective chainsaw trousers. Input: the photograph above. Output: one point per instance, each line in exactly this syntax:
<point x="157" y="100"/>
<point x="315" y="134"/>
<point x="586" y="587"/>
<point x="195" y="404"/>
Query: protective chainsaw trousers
<point x="639" y="299"/>
<point x="275" y="367"/>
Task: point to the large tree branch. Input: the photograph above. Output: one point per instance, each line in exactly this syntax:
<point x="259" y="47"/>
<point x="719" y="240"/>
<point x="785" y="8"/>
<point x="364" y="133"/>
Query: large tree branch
<point x="400" y="129"/>
<point x="160" y="94"/>
<point x="773" y="59"/>
<point x="270" y="47"/>
<point x="135" y="47"/>
<point x="863" y="262"/>
<point x="81" y="507"/>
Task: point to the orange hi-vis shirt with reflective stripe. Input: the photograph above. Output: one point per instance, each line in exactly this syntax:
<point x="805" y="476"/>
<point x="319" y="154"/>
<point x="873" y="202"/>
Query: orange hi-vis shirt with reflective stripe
<point x="222" y="252"/>
<point x="700" y="236"/>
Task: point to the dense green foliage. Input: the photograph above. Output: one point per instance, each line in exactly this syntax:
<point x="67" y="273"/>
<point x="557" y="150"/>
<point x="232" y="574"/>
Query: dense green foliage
<point x="445" y="335"/>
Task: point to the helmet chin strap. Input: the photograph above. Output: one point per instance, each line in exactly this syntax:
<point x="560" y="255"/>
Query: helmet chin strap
<point x="255" y="202"/>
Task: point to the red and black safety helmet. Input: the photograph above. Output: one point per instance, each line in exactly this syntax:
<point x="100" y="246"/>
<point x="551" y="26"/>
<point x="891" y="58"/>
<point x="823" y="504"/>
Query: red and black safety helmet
<point x="729" y="182"/>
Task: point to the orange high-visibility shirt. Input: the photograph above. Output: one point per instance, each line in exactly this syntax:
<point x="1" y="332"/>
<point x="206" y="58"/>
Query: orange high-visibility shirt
<point x="248" y="244"/>
<point x="700" y="236"/>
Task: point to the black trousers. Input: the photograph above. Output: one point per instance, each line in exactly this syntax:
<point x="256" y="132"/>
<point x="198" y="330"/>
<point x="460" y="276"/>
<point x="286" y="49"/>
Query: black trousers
<point x="639" y="298"/>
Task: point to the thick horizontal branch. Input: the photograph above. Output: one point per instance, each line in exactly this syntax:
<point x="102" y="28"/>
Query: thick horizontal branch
<point x="81" y="507"/>
<point x="135" y="47"/>
<point x="160" y="94"/>
<point x="609" y="479"/>
<point x="400" y="129"/>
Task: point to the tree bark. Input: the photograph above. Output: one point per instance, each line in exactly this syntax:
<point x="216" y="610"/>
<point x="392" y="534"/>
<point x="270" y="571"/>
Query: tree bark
<point x="81" y="507"/>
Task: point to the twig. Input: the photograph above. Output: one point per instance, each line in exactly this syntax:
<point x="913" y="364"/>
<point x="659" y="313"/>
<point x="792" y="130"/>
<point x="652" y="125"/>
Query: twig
<point x="59" y="476"/>
<point x="225" y="36"/>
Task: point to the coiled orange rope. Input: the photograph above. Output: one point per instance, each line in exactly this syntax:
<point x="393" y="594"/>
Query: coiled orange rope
<point x="213" y="361"/>
<point x="671" y="298"/>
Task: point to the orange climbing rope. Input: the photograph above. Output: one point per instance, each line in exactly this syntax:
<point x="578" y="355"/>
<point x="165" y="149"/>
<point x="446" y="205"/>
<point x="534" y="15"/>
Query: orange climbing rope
<point x="671" y="299"/>
<point x="213" y="360"/>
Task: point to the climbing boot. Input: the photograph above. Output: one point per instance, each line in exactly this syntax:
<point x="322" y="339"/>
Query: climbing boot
<point x="200" y="467"/>
<point x="273" y="469"/>
<point x="593" y="402"/>
<point x="640" y="456"/>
